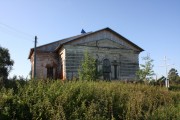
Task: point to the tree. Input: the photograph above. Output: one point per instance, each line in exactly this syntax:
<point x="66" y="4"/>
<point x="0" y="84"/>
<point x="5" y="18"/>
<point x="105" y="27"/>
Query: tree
<point x="88" y="68"/>
<point x="5" y="64"/>
<point x="146" y="70"/>
<point x="173" y="75"/>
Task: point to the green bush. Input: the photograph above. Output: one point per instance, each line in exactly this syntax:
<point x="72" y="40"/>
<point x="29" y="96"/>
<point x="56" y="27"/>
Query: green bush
<point x="166" y="113"/>
<point x="88" y="71"/>
<point x="88" y="100"/>
<point x="174" y="87"/>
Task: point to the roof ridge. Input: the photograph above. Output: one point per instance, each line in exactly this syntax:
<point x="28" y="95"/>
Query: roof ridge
<point x="69" y="39"/>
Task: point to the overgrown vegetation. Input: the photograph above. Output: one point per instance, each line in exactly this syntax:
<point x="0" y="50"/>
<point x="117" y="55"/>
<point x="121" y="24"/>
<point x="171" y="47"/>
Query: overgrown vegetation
<point x="88" y="101"/>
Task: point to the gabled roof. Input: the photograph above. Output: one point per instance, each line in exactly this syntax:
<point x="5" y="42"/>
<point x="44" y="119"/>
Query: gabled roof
<point x="59" y="43"/>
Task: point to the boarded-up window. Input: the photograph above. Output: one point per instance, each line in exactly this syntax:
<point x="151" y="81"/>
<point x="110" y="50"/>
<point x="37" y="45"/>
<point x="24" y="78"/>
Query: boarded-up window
<point x="50" y="72"/>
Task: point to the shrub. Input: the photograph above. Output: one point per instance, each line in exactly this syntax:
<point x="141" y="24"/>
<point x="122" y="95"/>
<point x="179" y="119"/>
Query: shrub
<point x="88" y="70"/>
<point x="88" y="100"/>
<point x="174" y="87"/>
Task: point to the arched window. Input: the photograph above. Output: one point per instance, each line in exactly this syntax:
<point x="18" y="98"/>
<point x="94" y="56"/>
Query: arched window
<point x="106" y="66"/>
<point x="106" y="69"/>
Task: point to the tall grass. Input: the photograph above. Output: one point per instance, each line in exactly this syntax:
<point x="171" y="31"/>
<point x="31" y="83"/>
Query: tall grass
<point x="88" y="101"/>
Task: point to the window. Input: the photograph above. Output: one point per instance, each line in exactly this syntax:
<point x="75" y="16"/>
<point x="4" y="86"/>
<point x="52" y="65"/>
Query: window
<point x="106" y="69"/>
<point x="115" y="71"/>
<point x="50" y="72"/>
<point x="106" y="66"/>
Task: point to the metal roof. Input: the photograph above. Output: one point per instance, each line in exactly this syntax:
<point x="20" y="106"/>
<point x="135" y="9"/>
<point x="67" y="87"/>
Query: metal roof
<point x="59" y="43"/>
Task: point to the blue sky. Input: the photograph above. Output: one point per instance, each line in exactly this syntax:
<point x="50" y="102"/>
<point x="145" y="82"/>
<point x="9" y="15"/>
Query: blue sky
<point x="154" y="25"/>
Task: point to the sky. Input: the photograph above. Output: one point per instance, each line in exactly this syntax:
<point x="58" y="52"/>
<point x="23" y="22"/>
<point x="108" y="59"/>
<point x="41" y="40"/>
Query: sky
<point x="154" y="25"/>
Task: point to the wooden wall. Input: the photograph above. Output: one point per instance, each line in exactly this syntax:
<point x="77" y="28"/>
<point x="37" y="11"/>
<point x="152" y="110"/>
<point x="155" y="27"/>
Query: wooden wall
<point x="127" y="61"/>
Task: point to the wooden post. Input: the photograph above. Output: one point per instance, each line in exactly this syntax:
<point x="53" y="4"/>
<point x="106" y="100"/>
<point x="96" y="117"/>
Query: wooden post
<point x="35" y="56"/>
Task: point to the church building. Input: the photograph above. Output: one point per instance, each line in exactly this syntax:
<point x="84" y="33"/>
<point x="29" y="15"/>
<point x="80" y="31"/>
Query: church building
<point x="117" y="57"/>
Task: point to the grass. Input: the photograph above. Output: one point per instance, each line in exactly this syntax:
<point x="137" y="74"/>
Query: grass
<point x="88" y="100"/>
